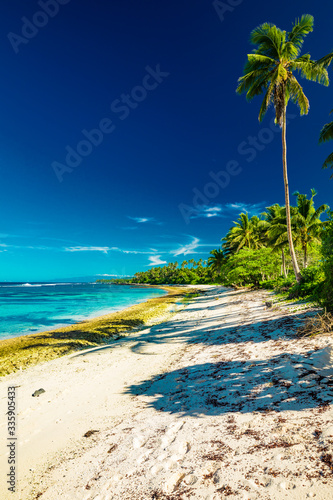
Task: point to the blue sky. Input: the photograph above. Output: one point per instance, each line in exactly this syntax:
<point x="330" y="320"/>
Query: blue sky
<point x="123" y="142"/>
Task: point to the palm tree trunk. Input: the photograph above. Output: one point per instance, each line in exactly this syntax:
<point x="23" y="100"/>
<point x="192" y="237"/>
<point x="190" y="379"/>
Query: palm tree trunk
<point x="305" y="256"/>
<point x="284" y="263"/>
<point x="286" y="192"/>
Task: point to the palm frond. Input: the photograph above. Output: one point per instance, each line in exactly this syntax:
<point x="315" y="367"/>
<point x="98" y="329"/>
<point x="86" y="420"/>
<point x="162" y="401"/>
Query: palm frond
<point x="297" y="95"/>
<point x="301" y="28"/>
<point x="326" y="60"/>
<point x="326" y="133"/>
<point x="310" y="70"/>
<point x="329" y="162"/>
<point x="269" y="38"/>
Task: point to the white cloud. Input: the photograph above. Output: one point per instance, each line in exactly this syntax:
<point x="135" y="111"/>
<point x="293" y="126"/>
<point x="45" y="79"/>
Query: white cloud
<point x="141" y="220"/>
<point x="155" y="260"/>
<point x="251" y="208"/>
<point x="226" y="210"/>
<point x="186" y="249"/>
<point x="87" y="249"/>
<point x="111" y="275"/>
<point x="105" y="250"/>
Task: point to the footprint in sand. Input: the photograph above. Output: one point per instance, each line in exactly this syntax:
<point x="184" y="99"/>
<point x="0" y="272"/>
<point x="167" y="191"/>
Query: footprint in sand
<point x="139" y="441"/>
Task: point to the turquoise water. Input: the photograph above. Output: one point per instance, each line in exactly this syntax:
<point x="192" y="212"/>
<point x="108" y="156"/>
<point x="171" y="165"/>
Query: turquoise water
<point x="31" y="308"/>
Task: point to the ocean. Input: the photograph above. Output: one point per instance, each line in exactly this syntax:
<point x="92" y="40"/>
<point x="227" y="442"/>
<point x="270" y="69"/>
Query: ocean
<point x="35" y="307"/>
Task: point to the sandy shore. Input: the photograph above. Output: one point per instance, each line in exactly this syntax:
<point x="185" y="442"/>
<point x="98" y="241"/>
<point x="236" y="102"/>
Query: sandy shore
<point x="220" y="401"/>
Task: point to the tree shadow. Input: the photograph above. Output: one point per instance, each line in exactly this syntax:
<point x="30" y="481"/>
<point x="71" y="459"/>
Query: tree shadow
<point x="217" y="329"/>
<point x="283" y="382"/>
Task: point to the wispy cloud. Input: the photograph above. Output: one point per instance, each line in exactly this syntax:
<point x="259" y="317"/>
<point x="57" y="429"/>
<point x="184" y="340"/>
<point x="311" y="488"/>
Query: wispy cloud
<point x="227" y="210"/>
<point x="87" y="249"/>
<point x="251" y="208"/>
<point x="141" y="220"/>
<point x="155" y="260"/>
<point x="105" y="250"/>
<point x="186" y="249"/>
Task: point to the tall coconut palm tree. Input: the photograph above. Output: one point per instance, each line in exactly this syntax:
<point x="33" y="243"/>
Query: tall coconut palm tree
<point x="245" y="233"/>
<point x="307" y="223"/>
<point x="270" y="69"/>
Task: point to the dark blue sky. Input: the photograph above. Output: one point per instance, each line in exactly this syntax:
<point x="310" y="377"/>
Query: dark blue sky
<point x="158" y="78"/>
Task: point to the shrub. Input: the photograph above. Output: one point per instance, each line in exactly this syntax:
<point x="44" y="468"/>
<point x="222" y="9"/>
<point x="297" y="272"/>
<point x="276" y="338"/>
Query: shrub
<point x="311" y="284"/>
<point x="327" y="253"/>
<point x="250" y="267"/>
<point x="280" y="284"/>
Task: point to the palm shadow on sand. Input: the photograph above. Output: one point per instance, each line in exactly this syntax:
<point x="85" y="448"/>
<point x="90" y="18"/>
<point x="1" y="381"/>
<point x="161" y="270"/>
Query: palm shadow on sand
<point x="284" y="382"/>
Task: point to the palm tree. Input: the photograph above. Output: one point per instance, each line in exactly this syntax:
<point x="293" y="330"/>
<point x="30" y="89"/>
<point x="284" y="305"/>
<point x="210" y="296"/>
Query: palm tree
<point x="276" y="234"/>
<point x="245" y="233"/>
<point x="216" y="260"/>
<point x="270" y="69"/>
<point x="308" y="225"/>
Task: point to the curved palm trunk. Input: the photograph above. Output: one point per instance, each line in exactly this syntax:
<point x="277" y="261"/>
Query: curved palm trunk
<point x="286" y="192"/>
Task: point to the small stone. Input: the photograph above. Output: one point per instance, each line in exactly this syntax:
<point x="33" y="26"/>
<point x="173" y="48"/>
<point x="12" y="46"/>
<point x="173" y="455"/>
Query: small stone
<point x="217" y="477"/>
<point x="38" y="393"/>
<point x="173" y="482"/>
<point x="328" y="432"/>
<point x="190" y="479"/>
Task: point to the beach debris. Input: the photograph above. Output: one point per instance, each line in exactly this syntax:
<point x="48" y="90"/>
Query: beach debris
<point x="89" y="433"/>
<point x="268" y="303"/>
<point x="319" y="324"/>
<point x="113" y="447"/>
<point x="38" y="393"/>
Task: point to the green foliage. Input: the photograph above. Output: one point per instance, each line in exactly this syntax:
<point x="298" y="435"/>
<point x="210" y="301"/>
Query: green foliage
<point x="271" y="67"/>
<point x="250" y="267"/>
<point x="310" y="285"/>
<point x="306" y="223"/>
<point x="327" y="253"/>
<point x="279" y="284"/>
<point x="245" y="233"/>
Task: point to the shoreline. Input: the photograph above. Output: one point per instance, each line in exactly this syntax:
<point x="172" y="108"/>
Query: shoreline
<point x="94" y="315"/>
<point x="17" y="353"/>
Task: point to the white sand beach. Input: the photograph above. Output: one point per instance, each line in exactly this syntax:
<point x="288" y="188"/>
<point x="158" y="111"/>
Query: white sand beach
<point x="221" y="400"/>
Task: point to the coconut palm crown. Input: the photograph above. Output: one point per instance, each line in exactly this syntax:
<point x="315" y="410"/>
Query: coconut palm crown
<point x="307" y="223"/>
<point x="245" y="233"/>
<point x="270" y="69"/>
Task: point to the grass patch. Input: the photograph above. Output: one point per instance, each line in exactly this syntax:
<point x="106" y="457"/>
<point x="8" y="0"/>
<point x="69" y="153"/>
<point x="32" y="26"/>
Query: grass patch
<point x="20" y="352"/>
<point x="189" y="296"/>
